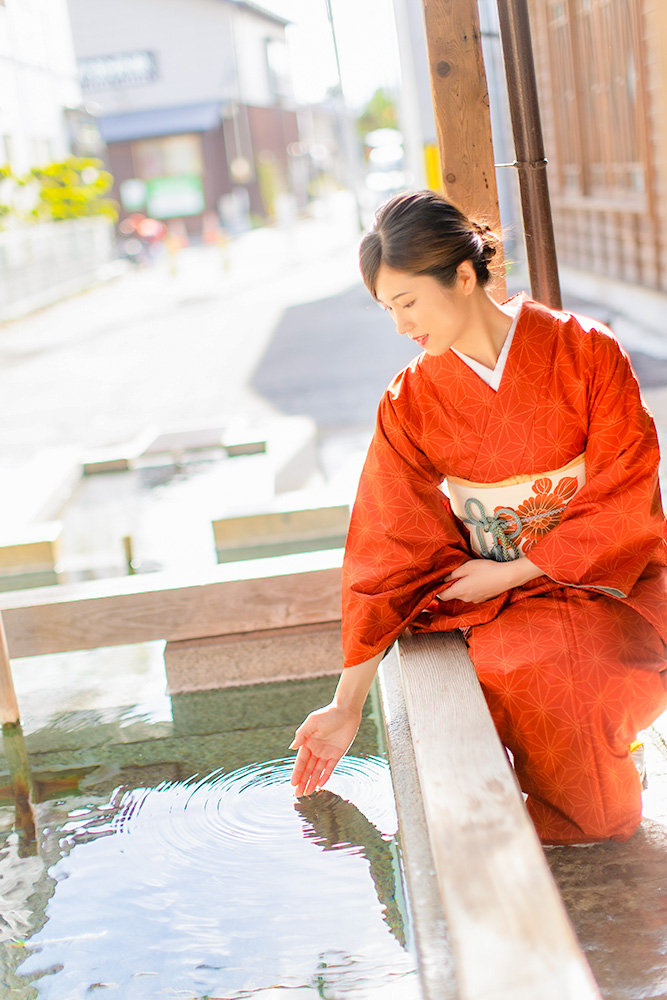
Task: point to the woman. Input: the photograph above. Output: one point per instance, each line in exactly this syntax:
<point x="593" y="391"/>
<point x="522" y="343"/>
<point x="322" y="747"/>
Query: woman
<point x="550" y="552"/>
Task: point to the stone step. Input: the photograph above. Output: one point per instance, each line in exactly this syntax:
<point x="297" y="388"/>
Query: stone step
<point x="276" y="533"/>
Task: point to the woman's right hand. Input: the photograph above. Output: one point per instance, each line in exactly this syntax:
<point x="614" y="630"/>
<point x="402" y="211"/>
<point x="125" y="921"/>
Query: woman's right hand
<point x="322" y="740"/>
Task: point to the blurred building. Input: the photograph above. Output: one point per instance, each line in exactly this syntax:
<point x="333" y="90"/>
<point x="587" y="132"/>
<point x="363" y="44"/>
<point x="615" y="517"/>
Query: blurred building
<point x="40" y="97"/>
<point x="194" y="101"/>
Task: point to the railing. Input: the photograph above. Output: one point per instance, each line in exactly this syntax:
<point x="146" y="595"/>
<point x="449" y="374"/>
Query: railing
<point x="37" y="262"/>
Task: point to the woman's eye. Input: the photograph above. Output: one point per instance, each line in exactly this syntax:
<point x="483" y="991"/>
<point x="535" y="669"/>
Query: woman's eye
<point x="409" y="305"/>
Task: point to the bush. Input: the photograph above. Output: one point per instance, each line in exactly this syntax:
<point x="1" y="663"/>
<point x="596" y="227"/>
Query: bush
<point x="72" y="189"/>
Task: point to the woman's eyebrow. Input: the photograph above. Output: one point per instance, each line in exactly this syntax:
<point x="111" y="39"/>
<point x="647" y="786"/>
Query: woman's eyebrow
<point x="394" y="297"/>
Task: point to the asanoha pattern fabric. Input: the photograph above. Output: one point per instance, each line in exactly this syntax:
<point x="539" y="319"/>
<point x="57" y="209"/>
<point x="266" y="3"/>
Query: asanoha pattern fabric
<point x="572" y="663"/>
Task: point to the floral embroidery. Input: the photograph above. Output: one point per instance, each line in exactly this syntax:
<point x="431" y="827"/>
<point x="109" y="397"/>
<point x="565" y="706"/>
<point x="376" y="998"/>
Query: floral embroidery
<point x="539" y="514"/>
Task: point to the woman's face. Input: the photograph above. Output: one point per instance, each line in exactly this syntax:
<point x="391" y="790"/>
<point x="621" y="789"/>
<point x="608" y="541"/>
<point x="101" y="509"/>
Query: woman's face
<point x="433" y="316"/>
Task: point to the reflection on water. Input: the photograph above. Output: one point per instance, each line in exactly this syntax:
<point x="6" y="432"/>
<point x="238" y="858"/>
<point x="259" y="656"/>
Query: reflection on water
<point x="335" y="825"/>
<point x="14" y="748"/>
<point x="210" y="887"/>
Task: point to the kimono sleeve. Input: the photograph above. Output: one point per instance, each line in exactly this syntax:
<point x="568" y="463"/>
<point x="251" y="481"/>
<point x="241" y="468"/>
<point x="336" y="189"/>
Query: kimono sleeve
<point x="614" y="526"/>
<point x="402" y="541"/>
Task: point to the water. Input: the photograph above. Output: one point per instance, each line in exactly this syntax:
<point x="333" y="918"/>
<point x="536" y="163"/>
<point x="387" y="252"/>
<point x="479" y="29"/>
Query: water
<point x="152" y="878"/>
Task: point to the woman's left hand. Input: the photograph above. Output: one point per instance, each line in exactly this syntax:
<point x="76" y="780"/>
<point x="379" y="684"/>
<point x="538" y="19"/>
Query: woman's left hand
<point x="481" y="579"/>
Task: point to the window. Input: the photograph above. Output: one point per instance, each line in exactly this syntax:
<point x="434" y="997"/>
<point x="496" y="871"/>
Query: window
<point x="169" y="157"/>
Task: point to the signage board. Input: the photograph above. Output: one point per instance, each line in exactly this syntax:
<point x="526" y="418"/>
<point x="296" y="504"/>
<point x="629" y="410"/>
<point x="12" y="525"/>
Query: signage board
<point x="172" y="197"/>
<point x="117" y="72"/>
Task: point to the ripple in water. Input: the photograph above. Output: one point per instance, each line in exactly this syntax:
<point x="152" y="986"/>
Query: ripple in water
<point x="224" y="886"/>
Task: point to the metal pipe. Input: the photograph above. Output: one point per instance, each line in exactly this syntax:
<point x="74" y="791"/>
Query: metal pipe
<point x="529" y="146"/>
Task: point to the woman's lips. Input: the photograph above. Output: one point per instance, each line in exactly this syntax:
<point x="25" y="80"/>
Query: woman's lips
<point x="421" y="340"/>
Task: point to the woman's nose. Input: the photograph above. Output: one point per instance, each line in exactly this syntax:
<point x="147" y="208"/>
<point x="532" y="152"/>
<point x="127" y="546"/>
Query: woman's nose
<point x="402" y="324"/>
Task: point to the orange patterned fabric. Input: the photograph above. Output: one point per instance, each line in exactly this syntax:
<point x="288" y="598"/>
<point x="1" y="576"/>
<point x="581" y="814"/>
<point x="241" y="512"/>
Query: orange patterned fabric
<point x="567" y="388"/>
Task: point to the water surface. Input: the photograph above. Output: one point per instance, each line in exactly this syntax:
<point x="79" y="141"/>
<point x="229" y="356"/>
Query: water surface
<point x="151" y="876"/>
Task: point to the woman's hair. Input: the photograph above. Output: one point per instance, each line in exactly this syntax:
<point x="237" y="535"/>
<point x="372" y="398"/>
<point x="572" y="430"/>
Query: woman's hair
<point x="423" y="233"/>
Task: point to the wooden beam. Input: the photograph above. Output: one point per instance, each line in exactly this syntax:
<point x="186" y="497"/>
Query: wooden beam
<point x="136" y="609"/>
<point x="9" y="708"/>
<point x="462" y="116"/>
<point x="510" y="934"/>
<point x="429" y="927"/>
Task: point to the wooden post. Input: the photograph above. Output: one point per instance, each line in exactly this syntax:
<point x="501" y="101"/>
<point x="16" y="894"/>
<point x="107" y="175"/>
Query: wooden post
<point x="13" y="744"/>
<point x="462" y="117"/>
<point x="9" y="709"/>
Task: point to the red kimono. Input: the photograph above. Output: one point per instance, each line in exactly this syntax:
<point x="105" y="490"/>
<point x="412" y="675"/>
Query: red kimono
<point x="573" y="663"/>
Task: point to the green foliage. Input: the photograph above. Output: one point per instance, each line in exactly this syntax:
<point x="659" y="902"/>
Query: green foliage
<point x="71" y="189"/>
<point x="379" y="112"/>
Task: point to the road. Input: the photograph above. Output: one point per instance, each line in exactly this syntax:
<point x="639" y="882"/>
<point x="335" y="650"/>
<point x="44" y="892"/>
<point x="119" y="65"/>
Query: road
<point x="151" y="349"/>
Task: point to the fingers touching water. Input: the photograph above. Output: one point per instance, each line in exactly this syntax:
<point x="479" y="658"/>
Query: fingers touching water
<point x="321" y="741"/>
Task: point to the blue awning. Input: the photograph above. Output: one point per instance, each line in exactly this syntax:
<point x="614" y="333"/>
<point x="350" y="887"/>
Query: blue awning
<point x="160" y="121"/>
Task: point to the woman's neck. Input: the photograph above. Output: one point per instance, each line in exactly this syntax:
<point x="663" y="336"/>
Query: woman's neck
<point x="486" y="330"/>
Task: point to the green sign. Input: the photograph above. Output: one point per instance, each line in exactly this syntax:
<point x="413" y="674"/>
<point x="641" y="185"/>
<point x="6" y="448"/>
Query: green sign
<point x="170" y="197"/>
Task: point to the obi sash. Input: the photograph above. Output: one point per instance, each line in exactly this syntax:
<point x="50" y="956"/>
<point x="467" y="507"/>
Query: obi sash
<point x="507" y="519"/>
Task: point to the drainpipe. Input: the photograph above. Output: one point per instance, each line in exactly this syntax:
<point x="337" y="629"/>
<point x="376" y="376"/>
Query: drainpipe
<point x="530" y="160"/>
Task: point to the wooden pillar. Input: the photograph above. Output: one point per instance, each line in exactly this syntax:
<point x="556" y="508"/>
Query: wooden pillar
<point x="9" y="709"/>
<point x="461" y="108"/>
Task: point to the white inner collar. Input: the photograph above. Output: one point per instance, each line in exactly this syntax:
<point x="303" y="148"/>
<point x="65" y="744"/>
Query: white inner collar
<point x="493" y="376"/>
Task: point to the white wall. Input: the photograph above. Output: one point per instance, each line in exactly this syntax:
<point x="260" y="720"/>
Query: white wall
<point x="251" y="33"/>
<point x="192" y="43"/>
<point x="38" y="78"/>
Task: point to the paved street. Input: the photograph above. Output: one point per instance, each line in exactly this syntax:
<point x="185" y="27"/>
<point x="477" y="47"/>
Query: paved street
<point x="277" y="323"/>
<point x="155" y="350"/>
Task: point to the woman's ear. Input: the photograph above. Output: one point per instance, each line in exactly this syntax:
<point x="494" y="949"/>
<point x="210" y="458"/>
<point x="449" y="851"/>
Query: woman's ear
<point x="466" y="277"/>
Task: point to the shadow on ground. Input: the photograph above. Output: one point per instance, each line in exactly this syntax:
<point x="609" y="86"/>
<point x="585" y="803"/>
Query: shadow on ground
<point x="332" y="359"/>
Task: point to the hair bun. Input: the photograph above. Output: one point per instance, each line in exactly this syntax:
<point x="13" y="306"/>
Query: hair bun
<point x="488" y="240"/>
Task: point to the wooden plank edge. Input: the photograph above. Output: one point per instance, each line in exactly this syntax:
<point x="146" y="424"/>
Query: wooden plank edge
<point x="499" y="896"/>
<point x="52" y="621"/>
<point x="426" y="913"/>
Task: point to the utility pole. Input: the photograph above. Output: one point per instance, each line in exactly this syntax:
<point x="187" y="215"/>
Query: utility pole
<point x="349" y="139"/>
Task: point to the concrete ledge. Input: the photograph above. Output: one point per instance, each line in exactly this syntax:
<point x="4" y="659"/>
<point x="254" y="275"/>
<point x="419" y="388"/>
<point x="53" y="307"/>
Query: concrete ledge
<point x="292" y="451"/>
<point x="280" y="533"/>
<point x="235" y="660"/>
<point x="29" y="556"/>
<point x="30" y="547"/>
<point x="289" y="443"/>
<point x="39" y="487"/>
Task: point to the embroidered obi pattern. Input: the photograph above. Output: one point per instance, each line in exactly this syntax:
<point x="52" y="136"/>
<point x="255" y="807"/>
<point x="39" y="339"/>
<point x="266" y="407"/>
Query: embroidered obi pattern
<point x="507" y="519"/>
